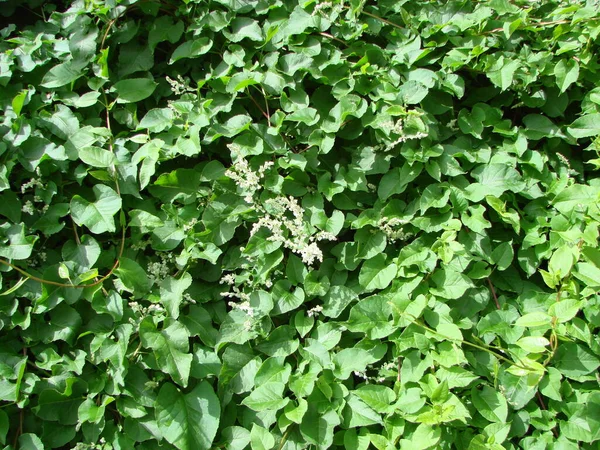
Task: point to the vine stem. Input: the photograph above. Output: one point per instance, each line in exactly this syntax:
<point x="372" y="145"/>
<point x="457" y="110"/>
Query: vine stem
<point x="374" y="16"/>
<point x="494" y="293"/>
<point x="284" y="437"/>
<point x="65" y="285"/>
<point x="545" y="24"/>
<point x="479" y="347"/>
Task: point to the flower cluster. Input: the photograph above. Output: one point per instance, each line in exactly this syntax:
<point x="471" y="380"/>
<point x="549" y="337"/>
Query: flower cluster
<point x="285" y="221"/>
<point x="241" y="172"/>
<point x="389" y="227"/>
<point x="180" y="85"/>
<point x="314" y="311"/>
<point x="282" y="216"/>
<point x="145" y="310"/>
<point x="33" y="182"/>
<point x="397" y="128"/>
<point x="158" y="271"/>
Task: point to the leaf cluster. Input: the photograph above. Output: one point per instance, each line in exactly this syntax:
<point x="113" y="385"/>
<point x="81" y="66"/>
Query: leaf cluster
<point x="290" y="225"/>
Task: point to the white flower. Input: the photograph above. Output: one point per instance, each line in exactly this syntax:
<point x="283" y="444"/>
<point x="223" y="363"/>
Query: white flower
<point x="228" y="279"/>
<point x="314" y="311"/>
<point x="28" y="208"/>
<point x="310" y="253"/>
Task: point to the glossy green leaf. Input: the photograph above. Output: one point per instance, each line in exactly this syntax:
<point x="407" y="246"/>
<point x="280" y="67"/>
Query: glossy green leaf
<point x="97" y="216"/>
<point x="134" y="89"/>
<point x="190" y="420"/>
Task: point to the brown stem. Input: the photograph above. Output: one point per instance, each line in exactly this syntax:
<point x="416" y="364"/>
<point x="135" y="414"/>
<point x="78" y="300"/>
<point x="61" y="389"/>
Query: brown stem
<point x="259" y="107"/>
<point x="56" y="283"/>
<point x="494" y="294"/>
<point x="75" y="233"/>
<point x="382" y="20"/>
<point x="544" y="24"/>
<point x="333" y="38"/>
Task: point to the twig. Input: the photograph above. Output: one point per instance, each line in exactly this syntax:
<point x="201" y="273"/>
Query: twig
<point x="259" y="107"/>
<point x="284" y="437"/>
<point x="327" y="35"/>
<point x="374" y="16"/>
<point x="55" y="283"/>
<point x="75" y="232"/>
<point x="543" y="24"/>
<point x="494" y="294"/>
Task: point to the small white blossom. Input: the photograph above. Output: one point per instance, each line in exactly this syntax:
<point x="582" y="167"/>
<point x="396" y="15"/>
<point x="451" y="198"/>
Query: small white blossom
<point x="243" y="306"/>
<point x="28" y="208"/>
<point x="241" y="172"/>
<point x="310" y="253"/>
<point x="314" y="311"/>
<point x="228" y="279"/>
<point x="33" y="182"/>
<point x="191" y="224"/>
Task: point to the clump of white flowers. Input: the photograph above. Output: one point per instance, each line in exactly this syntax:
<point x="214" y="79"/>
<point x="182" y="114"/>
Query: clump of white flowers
<point x="145" y="310"/>
<point x="244" y="176"/>
<point x="314" y="311"/>
<point x="392" y="228"/>
<point x="33" y="182"/>
<point x="180" y="85"/>
<point x="397" y="127"/>
<point x="28" y="208"/>
<point x="282" y="216"/>
<point x="158" y="271"/>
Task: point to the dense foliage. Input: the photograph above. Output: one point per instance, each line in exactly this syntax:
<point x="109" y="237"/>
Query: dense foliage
<point x="276" y="225"/>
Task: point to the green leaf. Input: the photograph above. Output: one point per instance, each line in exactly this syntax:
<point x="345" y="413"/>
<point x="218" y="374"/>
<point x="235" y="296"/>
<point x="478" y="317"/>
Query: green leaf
<point x="566" y="73"/>
<point x="171" y="293"/>
<point x="534" y="319"/>
<point x="157" y="120"/>
<point x="585" y="126"/>
<point x="376" y="274"/>
<point x="267" y="396"/>
<point x="19" y="246"/>
<point x="494" y="179"/>
<point x="337" y="300"/>
<point x="3" y="427"/>
<point x="30" y="441"/>
<point x="490" y="403"/>
<point x="503" y="255"/>
<point x="188" y="421"/>
<point x="533" y="344"/>
<point x="134" y="89"/>
<point x="97" y="157"/>
<point x="583" y="423"/>
<point x="562" y="261"/>
<point x="378" y="397"/>
<point x="97" y="216"/>
<point x="132" y="277"/>
<point x="450" y="284"/>
<point x="244" y="27"/>
<point x="261" y="439"/>
<point x="357" y="413"/>
<point x="575" y="360"/>
<point x="502" y="72"/>
<point x="577" y="196"/>
<point x="170" y="347"/>
<point x="539" y="126"/>
<point x="61" y="74"/>
<point x="317" y="428"/>
<point x="372" y="317"/>
<point x="191" y="49"/>
<point x="350" y="360"/>
<point x="396" y="181"/>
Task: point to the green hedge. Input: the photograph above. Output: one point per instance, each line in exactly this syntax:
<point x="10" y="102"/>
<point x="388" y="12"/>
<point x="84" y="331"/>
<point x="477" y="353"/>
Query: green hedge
<point x="270" y="224"/>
